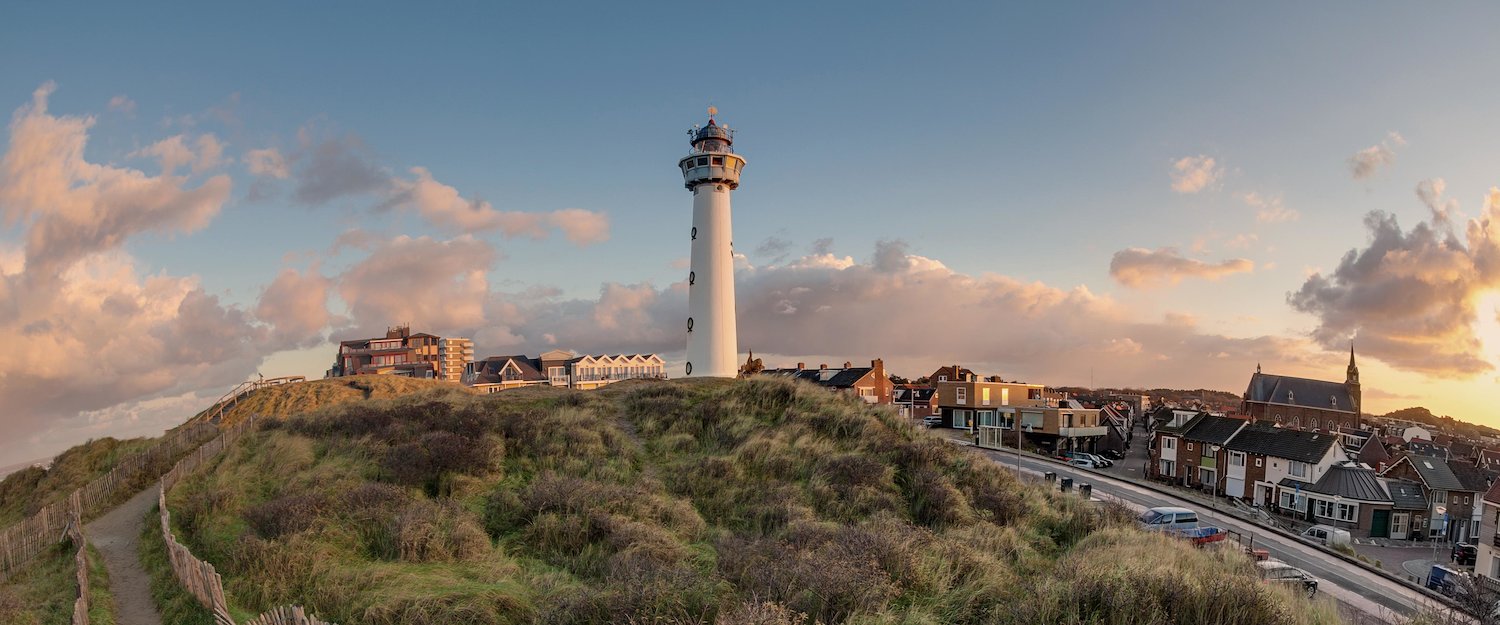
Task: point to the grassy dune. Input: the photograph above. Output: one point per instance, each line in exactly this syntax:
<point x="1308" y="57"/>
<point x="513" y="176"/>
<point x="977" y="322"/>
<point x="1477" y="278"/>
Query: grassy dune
<point x="287" y="399"/>
<point x="43" y="594"/>
<point x="675" y="502"/>
<point x="26" y="491"/>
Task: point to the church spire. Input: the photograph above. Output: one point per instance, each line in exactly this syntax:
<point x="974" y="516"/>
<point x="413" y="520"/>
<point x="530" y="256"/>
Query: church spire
<point x="1352" y="373"/>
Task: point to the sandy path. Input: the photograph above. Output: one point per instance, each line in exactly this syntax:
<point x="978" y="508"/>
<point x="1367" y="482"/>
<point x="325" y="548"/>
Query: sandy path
<point x="117" y="537"/>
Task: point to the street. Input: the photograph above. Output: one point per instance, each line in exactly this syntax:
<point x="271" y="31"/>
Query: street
<point x="1360" y="589"/>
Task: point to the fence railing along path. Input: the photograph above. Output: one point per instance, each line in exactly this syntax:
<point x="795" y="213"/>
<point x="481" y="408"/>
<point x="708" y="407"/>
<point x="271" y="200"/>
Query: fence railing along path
<point x="232" y="398"/>
<point x="25" y="541"/>
<point x="198" y="577"/>
<point x="80" y="562"/>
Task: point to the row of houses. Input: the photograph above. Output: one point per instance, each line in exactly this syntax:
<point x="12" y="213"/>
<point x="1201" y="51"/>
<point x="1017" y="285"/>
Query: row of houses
<point x="402" y="352"/>
<point x="991" y="409"/>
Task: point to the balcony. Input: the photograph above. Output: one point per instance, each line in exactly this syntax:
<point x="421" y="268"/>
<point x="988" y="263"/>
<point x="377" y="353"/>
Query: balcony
<point x="1081" y="432"/>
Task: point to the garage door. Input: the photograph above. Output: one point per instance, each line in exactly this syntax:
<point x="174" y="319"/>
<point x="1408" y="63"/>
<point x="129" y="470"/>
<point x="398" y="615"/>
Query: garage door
<point x="1234" y="487"/>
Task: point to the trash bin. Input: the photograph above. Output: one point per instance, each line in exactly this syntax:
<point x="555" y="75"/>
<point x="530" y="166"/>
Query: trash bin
<point x="1085" y="490"/>
<point x="1066" y="484"/>
<point x="1049" y="476"/>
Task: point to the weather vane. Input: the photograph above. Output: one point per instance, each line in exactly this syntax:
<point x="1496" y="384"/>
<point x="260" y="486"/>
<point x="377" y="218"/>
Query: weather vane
<point x="712" y="110"/>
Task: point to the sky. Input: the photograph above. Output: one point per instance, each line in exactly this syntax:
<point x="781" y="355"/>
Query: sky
<point x="1151" y="195"/>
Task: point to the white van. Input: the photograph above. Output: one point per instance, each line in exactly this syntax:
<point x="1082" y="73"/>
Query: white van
<point x="1168" y="518"/>
<point x="1327" y="536"/>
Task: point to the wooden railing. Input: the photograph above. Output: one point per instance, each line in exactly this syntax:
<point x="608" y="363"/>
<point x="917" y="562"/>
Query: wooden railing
<point x="228" y="401"/>
<point x="23" y="542"/>
<point x="80" y="563"/>
<point x="198" y="577"/>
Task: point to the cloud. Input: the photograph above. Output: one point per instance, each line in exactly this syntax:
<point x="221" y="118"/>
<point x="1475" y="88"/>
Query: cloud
<point x="122" y="104"/>
<point x="442" y="205"/>
<point x="334" y="168"/>
<point x="821" y="246"/>
<point x="1366" y="162"/>
<point x="1443" y="209"/>
<point x="74" y="207"/>
<point x="1195" y="173"/>
<point x="1270" y="209"/>
<point x="1410" y="296"/>
<point x="774" y="247"/>
<point x="1142" y="268"/>
<point x="267" y="162"/>
<point x="87" y="329"/>
<point x="827" y="304"/>
<point x="103" y="334"/>
<point x="173" y="152"/>
<point x="295" y="305"/>
<point x="430" y="283"/>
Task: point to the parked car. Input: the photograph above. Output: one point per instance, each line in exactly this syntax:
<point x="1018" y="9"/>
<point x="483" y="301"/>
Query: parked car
<point x="1166" y="518"/>
<point x="1464" y="554"/>
<point x="1278" y="572"/>
<point x="1114" y="454"/>
<point x="1099" y="461"/>
<point x="932" y="421"/>
<point x="1182" y="523"/>
<point x="1082" y="463"/>
<point x="1327" y="536"/>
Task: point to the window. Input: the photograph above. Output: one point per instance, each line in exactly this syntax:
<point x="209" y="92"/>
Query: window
<point x="1168" y="468"/>
<point x="1345" y="512"/>
<point x="963" y="395"/>
<point x="1297" y="469"/>
<point x="1323" y="508"/>
<point x="865" y="391"/>
<point x="942" y="378"/>
<point x="984" y="395"/>
<point x="1258" y="462"/>
<point x="1236" y="459"/>
<point x="718" y="160"/>
<point x="702" y="161"/>
<point x="1190" y="446"/>
<point x="1168" y="442"/>
<point x="1291" y="501"/>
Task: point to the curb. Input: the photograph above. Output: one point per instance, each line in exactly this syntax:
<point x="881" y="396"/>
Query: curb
<point x="1429" y="593"/>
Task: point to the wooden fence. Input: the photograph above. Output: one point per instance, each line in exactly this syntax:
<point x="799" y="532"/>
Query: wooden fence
<point x="290" y="615"/>
<point x="23" y="542"/>
<point x="80" y="564"/>
<point x="199" y="577"/>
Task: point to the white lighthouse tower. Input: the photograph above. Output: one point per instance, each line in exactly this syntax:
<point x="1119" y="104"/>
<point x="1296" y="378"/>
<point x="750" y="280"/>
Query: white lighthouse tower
<point x="711" y="171"/>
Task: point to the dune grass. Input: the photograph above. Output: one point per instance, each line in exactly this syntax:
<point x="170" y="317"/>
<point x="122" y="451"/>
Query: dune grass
<point x="758" y="501"/>
<point x="25" y="492"/>
<point x="287" y="399"/>
<point x="44" y="593"/>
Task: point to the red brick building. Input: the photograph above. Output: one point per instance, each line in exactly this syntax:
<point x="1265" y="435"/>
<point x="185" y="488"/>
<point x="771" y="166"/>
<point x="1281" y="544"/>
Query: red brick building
<point x="1304" y="403"/>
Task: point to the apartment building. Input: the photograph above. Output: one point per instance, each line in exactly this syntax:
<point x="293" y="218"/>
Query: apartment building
<point x="454" y="357"/>
<point x="563" y="369"/>
<point x="399" y="352"/>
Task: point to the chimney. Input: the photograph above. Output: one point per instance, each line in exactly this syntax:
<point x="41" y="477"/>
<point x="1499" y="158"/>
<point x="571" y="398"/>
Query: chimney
<point x="822" y="367"/>
<point x="801" y="366"/>
<point x="847" y="365"/>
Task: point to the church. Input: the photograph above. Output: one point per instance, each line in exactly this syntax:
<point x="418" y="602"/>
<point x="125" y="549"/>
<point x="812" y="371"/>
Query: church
<point x="1304" y="403"/>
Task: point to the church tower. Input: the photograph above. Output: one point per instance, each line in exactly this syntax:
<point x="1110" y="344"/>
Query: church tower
<point x="711" y="170"/>
<point x="1351" y="381"/>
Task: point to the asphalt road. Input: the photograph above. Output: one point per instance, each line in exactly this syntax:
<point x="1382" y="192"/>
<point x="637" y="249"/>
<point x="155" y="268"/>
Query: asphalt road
<point x="1358" y="588"/>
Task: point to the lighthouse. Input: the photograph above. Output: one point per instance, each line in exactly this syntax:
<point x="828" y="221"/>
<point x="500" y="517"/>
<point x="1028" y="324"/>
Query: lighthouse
<point x="711" y="170"/>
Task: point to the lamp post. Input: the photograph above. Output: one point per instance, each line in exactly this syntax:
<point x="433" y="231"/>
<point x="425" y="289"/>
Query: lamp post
<point x="1214" y="490"/>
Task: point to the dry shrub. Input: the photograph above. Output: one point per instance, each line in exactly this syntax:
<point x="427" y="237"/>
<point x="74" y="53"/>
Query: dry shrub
<point x="285" y="515"/>
<point x="14" y="610"/>
<point x="830" y="572"/>
<point x="761" y="613"/>
<point x="436" y="456"/>
<point x="933" y="500"/>
<point x="438" y="531"/>
<point x="1151" y="579"/>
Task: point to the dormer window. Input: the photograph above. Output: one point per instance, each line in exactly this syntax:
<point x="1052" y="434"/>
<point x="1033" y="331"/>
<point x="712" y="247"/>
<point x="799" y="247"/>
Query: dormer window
<point x="1290" y="399"/>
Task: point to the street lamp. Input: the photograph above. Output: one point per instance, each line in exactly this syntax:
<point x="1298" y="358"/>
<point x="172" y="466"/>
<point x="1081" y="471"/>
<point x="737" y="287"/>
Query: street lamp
<point x="1217" y="470"/>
